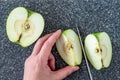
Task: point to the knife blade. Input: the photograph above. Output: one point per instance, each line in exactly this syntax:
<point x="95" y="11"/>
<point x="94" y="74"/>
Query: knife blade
<point x="88" y="68"/>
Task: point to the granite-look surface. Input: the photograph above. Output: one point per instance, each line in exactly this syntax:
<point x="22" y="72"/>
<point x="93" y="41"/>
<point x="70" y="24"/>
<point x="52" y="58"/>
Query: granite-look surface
<point x="89" y="15"/>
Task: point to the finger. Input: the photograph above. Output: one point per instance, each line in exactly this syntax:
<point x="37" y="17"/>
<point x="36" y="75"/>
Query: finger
<point x="51" y="62"/>
<point x="62" y="73"/>
<point x="47" y="46"/>
<point x="39" y="44"/>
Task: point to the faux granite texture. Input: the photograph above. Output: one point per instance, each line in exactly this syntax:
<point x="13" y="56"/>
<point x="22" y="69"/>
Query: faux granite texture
<point x="89" y="15"/>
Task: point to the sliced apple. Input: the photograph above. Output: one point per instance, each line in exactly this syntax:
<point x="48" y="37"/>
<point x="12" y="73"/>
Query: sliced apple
<point x="69" y="48"/>
<point x="24" y="26"/>
<point x="105" y="47"/>
<point x="98" y="49"/>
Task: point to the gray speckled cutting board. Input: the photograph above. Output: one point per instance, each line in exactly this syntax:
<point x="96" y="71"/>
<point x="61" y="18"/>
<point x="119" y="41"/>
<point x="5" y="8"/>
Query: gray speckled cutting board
<point x="89" y="15"/>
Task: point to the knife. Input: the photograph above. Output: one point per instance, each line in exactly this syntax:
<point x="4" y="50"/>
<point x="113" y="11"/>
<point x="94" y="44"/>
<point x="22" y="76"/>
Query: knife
<point x="88" y="68"/>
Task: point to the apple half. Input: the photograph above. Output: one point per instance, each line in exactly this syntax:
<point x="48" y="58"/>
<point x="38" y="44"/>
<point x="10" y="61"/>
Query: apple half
<point x="99" y="49"/>
<point x="69" y="48"/>
<point x="24" y="26"/>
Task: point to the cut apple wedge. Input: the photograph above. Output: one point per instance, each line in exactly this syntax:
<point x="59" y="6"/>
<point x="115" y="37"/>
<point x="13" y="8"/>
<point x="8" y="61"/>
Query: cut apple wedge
<point x="69" y="48"/>
<point x="99" y="49"/>
<point x="24" y="26"/>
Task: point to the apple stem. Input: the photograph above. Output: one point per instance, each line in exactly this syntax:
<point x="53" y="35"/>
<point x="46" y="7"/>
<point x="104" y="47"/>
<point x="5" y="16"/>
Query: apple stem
<point x="20" y="37"/>
<point x="102" y="62"/>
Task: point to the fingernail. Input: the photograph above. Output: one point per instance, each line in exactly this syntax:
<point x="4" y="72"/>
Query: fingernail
<point x="59" y="30"/>
<point x="76" y="68"/>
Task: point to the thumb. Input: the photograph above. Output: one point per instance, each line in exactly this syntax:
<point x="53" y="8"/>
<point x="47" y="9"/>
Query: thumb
<point x="64" y="72"/>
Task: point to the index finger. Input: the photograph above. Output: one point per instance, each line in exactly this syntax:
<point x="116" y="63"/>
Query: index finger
<point x="47" y="46"/>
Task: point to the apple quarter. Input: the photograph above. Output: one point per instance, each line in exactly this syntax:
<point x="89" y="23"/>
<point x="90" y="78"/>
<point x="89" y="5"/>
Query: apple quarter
<point x="98" y="49"/>
<point x="69" y="48"/>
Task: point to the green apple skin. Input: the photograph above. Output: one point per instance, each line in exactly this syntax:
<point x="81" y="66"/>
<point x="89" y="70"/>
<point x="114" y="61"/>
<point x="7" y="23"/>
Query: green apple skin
<point x="98" y="48"/>
<point x="106" y="46"/>
<point x="17" y="20"/>
<point x="69" y="48"/>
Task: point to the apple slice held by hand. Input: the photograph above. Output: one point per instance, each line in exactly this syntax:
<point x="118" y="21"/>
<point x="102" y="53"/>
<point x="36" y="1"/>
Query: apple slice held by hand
<point x="24" y="26"/>
<point x="99" y="49"/>
<point x="69" y="48"/>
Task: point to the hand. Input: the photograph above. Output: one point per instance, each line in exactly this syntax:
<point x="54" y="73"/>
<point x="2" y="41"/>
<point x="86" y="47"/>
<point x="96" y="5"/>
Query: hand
<point x="40" y="65"/>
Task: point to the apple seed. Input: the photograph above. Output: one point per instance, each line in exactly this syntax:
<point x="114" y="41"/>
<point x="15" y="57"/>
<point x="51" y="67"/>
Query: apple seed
<point x="97" y="50"/>
<point x="100" y="49"/>
<point x="27" y="27"/>
<point x="67" y="47"/>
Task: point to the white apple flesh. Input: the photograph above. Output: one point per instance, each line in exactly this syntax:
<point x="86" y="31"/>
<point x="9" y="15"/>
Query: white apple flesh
<point x="24" y="26"/>
<point x="98" y="49"/>
<point x="69" y="48"/>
